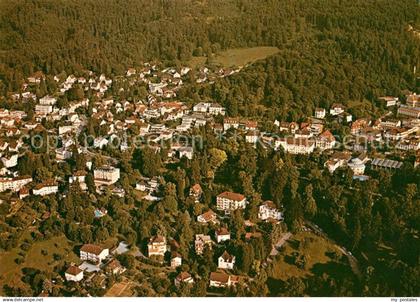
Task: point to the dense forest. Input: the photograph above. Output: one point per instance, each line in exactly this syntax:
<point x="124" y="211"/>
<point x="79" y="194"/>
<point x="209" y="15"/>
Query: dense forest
<point x="329" y="50"/>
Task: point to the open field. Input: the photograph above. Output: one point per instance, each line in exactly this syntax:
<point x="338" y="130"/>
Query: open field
<point x="10" y="271"/>
<point x="315" y="249"/>
<point x="236" y="56"/>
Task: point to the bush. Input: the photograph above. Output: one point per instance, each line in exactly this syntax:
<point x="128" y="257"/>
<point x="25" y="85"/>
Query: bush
<point x="25" y="246"/>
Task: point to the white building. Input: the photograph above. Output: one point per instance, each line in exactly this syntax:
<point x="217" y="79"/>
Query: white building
<point x="183" y="277"/>
<point x="65" y="129"/>
<point x="201" y="241"/>
<point x="409" y="111"/>
<point x="206" y="217"/>
<point x="338" y="159"/>
<point x="201" y="107"/>
<point x="222" y="234"/>
<point x="157" y="246"/>
<point x="93" y="253"/>
<point x="325" y="140"/>
<point x="221" y="279"/>
<point x="230" y="123"/>
<point x="252" y="136"/>
<point x="100" y="142"/>
<point x="229" y="201"/>
<point x="14" y="184"/>
<point x="176" y="260"/>
<point x="226" y="261"/>
<point x="80" y="177"/>
<point x="106" y="175"/>
<point x="47" y="100"/>
<point x="389" y="100"/>
<point x="296" y="145"/>
<point x="73" y="273"/>
<point x="320" y="113"/>
<point x="357" y="166"/>
<point x="62" y="154"/>
<point x="216" y="109"/>
<point x="157" y="88"/>
<point x="268" y="210"/>
<point x="46" y="188"/>
<point x="336" y="109"/>
<point x="187" y="152"/>
<point x="43" y="109"/>
<point x="10" y="162"/>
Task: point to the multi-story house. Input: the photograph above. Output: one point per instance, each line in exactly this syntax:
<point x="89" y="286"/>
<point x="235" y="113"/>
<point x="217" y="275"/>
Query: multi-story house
<point x="336" y="109"/>
<point x="409" y="111"/>
<point x="389" y="101"/>
<point x="338" y="159"/>
<point x="14" y="184"/>
<point x="106" y="175"/>
<point x="93" y="253"/>
<point x="320" y="113"/>
<point x="176" y="260"/>
<point x="45" y="188"/>
<point x="296" y="145"/>
<point x="229" y="123"/>
<point x="183" y="277"/>
<point x="226" y="261"/>
<point x="73" y="273"/>
<point x="47" y="100"/>
<point x="357" y="166"/>
<point x="201" y="241"/>
<point x="157" y="246"/>
<point x="221" y="279"/>
<point x="325" y="140"/>
<point x="208" y="216"/>
<point x="222" y="234"/>
<point x="268" y="210"/>
<point x="43" y="109"/>
<point x="230" y="201"/>
<point x="216" y="109"/>
<point x="80" y="177"/>
<point x="11" y="161"/>
<point x="196" y="192"/>
<point x="413" y="100"/>
<point x="408" y="144"/>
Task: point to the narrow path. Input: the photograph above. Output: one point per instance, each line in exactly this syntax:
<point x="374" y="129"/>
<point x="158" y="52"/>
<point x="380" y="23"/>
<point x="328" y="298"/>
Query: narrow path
<point x="279" y="244"/>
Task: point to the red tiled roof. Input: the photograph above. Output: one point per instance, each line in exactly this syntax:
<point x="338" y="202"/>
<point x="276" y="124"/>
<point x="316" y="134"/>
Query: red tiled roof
<point x="196" y="188"/>
<point x="222" y="231"/>
<point x="231" y="196"/>
<point x="219" y="277"/>
<point x="157" y="239"/>
<point x="91" y="249"/>
<point x="227" y="257"/>
<point x="182" y="276"/>
<point x="73" y="270"/>
<point x="208" y="216"/>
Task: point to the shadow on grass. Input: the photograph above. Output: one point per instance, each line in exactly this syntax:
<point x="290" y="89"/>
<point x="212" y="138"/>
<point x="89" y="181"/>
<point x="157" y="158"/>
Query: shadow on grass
<point x="328" y="280"/>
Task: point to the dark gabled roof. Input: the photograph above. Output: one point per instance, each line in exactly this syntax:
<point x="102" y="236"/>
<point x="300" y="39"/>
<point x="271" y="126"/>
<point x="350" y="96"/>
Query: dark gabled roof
<point x="92" y="249"/>
<point x="73" y="270"/>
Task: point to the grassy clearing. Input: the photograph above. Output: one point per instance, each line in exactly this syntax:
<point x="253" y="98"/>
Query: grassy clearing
<point x="315" y="249"/>
<point x="196" y="62"/>
<point x="236" y="56"/>
<point x="39" y="256"/>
